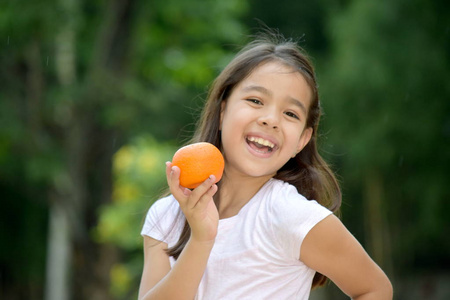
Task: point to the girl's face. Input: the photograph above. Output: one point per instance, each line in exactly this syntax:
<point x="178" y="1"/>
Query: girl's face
<point x="263" y="121"/>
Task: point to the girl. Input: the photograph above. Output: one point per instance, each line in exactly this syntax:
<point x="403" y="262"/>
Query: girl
<point x="255" y="235"/>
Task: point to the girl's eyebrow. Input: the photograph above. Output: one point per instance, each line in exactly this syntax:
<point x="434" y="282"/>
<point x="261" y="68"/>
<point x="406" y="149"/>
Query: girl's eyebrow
<point x="257" y="88"/>
<point x="269" y="93"/>
<point x="297" y="103"/>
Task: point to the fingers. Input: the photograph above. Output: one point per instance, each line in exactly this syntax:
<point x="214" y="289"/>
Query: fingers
<point x="173" y="179"/>
<point x="205" y="191"/>
<point x="208" y="196"/>
<point x="169" y="170"/>
<point x="200" y="195"/>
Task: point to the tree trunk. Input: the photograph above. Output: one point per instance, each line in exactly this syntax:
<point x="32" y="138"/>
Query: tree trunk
<point x="376" y="224"/>
<point x="108" y="67"/>
<point x="89" y="149"/>
<point x="59" y="252"/>
<point x="59" y="243"/>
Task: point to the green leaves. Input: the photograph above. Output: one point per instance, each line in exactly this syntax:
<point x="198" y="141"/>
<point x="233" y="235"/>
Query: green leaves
<point x="385" y="95"/>
<point x="139" y="179"/>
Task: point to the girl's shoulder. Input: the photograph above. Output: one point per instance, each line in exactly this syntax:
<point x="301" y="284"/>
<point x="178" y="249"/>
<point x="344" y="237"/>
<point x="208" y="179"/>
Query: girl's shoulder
<point x="282" y="198"/>
<point x="279" y="189"/>
<point x="166" y="208"/>
<point x="288" y="216"/>
<point x="161" y="218"/>
<point x="163" y="203"/>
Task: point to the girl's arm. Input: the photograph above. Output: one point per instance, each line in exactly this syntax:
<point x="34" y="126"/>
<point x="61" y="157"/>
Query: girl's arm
<point x="156" y="265"/>
<point x="330" y="249"/>
<point x="159" y="281"/>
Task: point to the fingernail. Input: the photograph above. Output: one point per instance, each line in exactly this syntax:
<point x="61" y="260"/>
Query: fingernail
<point x="211" y="177"/>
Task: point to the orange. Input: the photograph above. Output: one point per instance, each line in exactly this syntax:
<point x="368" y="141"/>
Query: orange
<point x="197" y="162"/>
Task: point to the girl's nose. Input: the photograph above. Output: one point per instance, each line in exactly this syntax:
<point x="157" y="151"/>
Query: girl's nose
<point x="267" y="124"/>
<point x="269" y="120"/>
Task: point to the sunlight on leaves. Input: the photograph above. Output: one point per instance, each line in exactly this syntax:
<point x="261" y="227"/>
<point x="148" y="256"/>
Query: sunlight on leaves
<point x="139" y="179"/>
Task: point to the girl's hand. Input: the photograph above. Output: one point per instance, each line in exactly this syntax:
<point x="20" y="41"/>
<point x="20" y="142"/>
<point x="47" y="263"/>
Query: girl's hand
<point x="197" y="205"/>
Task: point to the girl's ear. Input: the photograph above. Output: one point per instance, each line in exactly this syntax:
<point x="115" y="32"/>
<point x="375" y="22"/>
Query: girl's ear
<point x="304" y="138"/>
<point x="222" y="111"/>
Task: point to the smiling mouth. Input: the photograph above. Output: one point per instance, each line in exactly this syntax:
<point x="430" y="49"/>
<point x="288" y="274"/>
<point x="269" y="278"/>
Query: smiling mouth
<point x="260" y="144"/>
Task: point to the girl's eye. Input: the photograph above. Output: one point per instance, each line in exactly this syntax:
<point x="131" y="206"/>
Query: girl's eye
<point x="255" y="101"/>
<point x="292" y="115"/>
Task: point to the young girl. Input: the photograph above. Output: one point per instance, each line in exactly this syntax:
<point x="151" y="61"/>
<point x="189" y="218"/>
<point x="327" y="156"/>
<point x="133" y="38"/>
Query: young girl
<point x="256" y="234"/>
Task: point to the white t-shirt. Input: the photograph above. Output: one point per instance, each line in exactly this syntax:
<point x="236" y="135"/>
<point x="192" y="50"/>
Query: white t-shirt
<point x="256" y="252"/>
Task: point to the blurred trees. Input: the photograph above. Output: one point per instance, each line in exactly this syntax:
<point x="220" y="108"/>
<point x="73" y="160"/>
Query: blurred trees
<point x="385" y="92"/>
<point x="139" y="178"/>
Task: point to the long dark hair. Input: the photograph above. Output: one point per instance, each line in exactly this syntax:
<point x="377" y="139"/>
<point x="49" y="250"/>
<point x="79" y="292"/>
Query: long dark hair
<point x="307" y="171"/>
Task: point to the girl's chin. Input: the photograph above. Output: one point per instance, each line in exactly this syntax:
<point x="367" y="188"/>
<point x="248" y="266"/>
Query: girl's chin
<point x="256" y="172"/>
<point x="249" y="171"/>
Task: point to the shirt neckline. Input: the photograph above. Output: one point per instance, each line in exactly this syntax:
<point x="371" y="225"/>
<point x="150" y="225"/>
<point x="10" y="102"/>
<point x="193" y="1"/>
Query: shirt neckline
<point x="246" y="206"/>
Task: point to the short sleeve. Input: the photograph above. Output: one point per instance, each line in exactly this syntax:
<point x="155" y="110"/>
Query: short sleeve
<point x="293" y="217"/>
<point x="163" y="221"/>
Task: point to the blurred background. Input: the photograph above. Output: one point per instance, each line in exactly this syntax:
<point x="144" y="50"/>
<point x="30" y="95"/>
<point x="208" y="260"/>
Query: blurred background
<point x="96" y="95"/>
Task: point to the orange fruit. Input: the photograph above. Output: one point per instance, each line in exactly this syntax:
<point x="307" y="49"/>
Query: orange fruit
<point x="197" y="162"/>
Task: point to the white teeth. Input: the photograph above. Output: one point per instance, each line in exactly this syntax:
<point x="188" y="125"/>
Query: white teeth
<point x="261" y="141"/>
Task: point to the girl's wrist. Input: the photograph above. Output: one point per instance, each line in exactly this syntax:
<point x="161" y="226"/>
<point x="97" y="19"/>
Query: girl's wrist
<point x="206" y="244"/>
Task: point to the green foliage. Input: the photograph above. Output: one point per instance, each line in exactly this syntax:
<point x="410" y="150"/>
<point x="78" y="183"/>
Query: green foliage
<point x="177" y="50"/>
<point x="139" y="179"/>
<point x="385" y="93"/>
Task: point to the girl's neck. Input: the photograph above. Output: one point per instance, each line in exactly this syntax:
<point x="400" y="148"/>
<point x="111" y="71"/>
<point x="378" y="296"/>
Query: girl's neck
<point x="234" y="193"/>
